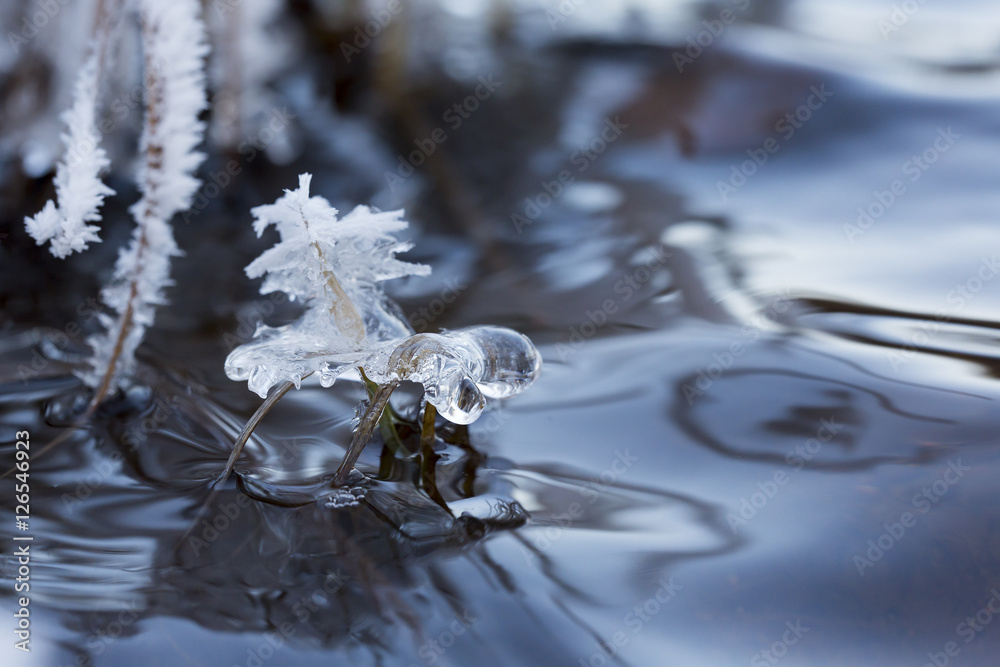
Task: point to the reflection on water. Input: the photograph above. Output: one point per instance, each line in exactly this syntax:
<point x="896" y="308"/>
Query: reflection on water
<point x="745" y="424"/>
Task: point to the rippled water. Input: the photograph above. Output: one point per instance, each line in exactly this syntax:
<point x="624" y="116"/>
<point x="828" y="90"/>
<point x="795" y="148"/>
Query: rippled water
<point x="765" y="428"/>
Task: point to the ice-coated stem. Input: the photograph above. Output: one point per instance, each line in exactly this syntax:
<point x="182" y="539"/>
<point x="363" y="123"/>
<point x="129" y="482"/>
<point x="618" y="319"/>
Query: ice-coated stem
<point x="364" y="431"/>
<point x="173" y="52"/>
<point x="341" y="307"/>
<point x="154" y="155"/>
<point x="427" y="427"/>
<point x="249" y="427"/>
<point x="241" y="441"/>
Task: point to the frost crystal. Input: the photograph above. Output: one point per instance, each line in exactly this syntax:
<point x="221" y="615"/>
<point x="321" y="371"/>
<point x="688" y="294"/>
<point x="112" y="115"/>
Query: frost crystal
<point x="79" y="189"/>
<point x="334" y="266"/>
<point x="174" y="43"/>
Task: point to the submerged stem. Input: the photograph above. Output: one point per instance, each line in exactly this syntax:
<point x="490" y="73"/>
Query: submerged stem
<point x="249" y="427"/>
<point x="427" y="427"/>
<point x="387" y="422"/>
<point x="364" y="431"/>
<point x="241" y="441"/>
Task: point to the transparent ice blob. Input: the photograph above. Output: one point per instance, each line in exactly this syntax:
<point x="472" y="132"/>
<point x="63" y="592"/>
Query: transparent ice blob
<point x="460" y="369"/>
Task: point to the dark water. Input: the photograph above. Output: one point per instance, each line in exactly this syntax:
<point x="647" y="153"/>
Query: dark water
<point x="765" y="431"/>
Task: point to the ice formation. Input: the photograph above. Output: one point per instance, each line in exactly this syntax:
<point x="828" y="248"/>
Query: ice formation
<point x="174" y="47"/>
<point x="335" y="267"/>
<point x="79" y="189"/>
<point x="460" y="369"/>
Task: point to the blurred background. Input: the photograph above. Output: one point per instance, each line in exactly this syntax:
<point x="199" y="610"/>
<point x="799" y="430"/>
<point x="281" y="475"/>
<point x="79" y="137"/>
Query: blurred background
<point x="755" y="241"/>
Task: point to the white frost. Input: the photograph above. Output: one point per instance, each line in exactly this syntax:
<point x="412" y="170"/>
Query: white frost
<point x="174" y="44"/>
<point x="79" y="189"/>
<point x="335" y="267"/>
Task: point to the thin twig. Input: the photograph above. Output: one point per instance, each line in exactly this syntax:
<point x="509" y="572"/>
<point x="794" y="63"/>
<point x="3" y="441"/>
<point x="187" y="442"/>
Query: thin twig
<point x="241" y="441"/>
<point x="249" y="427"/>
<point x="364" y="431"/>
<point x="154" y="164"/>
<point x="427" y="427"/>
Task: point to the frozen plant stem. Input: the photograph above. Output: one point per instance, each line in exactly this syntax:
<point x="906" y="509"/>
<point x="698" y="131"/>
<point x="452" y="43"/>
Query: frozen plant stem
<point x="364" y="431"/>
<point x="173" y="49"/>
<point x="154" y="163"/>
<point x="427" y="427"/>
<point x="345" y="315"/>
<point x="248" y="429"/>
<point x="79" y="189"/>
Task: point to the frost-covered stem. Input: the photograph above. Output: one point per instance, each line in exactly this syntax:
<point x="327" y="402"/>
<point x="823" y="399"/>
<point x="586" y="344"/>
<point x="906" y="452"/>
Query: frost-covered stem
<point x="63" y="221"/>
<point x="124" y="328"/>
<point x="341" y="307"/>
<point x="364" y="431"/>
<point x="154" y="164"/>
<point x="107" y="14"/>
<point x="173" y="49"/>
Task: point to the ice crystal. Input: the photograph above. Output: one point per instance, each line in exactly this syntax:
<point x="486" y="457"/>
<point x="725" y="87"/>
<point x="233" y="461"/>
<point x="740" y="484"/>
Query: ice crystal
<point x="79" y="189"/>
<point x="334" y="267"/>
<point x="174" y="45"/>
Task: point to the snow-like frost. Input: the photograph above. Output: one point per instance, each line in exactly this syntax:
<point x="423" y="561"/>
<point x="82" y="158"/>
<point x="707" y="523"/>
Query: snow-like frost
<point x="174" y="45"/>
<point x="335" y="267"/>
<point x="79" y="189"/>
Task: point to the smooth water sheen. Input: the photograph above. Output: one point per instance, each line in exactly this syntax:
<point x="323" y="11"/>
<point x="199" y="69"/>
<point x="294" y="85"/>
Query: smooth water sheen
<point x="765" y="432"/>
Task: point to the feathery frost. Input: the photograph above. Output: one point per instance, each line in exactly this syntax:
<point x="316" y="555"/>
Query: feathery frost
<point x="79" y="189"/>
<point x="335" y="267"/>
<point x="174" y="50"/>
